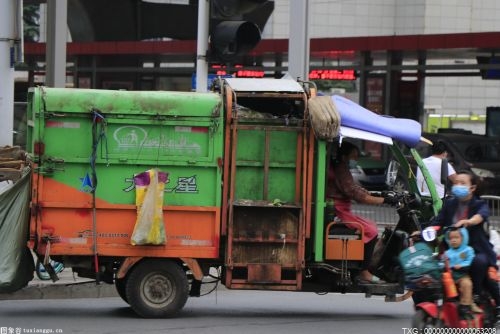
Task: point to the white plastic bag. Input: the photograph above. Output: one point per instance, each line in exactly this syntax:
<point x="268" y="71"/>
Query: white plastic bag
<point x="149" y="228"/>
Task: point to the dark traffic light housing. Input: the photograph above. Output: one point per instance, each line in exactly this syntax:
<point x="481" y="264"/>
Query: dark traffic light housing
<point x="236" y="26"/>
<point x="231" y="39"/>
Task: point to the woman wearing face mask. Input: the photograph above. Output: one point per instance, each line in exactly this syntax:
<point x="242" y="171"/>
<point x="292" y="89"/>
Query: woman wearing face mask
<point x="342" y="190"/>
<point x="465" y="209"/>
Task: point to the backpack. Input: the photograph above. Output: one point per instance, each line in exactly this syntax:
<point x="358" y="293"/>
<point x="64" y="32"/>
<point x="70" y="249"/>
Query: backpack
<point x="418" y="260"/>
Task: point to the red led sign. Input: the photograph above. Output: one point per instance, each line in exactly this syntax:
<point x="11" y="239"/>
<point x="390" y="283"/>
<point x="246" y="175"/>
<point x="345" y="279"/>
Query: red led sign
<point x="332" y="75"/>
<point x="240" y="72"/>
<point x="249" y="74"/>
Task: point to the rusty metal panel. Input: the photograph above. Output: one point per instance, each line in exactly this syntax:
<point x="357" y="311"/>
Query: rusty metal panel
<point x="266" y="222"/>
<point x="265" y="235"/>
<point x="283" y="254"/>
<point x="264" y="273"/>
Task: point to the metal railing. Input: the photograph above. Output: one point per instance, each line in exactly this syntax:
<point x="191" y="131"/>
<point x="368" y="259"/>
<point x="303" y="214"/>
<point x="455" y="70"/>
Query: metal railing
<point x="383" y="215"/>
<point x="387" y="216"/>
<point x="494" y="204"/>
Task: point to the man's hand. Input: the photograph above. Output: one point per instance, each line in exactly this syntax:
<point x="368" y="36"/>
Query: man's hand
<point x="415" y="234"/>
<point x="391" y="199"/>
<point x="462" y="223"/>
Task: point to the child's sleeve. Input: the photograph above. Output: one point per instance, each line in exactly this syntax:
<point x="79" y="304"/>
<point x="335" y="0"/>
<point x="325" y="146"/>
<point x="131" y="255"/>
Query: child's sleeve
<point x="469" y="256"/>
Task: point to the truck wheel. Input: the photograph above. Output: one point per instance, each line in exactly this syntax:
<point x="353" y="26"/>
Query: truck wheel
<point x="120" y="285"/>
<point x="157" y="288"/>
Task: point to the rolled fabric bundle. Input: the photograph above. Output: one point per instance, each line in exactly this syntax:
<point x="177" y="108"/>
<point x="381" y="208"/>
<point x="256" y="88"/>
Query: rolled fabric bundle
<point x="325" y="120"/>
<point x="353" y="115"/>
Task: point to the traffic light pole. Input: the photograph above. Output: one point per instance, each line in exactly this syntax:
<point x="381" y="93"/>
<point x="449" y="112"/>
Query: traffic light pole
<point x="202" y="46"/>
<point x="57" y="31"/>
<point x="298" y="45"/>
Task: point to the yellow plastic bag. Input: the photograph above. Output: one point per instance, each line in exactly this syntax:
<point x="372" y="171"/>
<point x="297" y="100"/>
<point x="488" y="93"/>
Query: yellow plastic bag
<point x="149" y="228"/>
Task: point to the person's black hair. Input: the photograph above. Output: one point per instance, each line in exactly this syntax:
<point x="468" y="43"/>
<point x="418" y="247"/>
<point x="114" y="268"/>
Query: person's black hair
<point x="450" y="229"/>
<point x="438" y="148"/>
<point x="474" y="180"/>
<point x="345" y="149"/>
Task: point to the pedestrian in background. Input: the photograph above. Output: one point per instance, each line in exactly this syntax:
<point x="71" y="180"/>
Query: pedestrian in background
<point x="433" y="164"/>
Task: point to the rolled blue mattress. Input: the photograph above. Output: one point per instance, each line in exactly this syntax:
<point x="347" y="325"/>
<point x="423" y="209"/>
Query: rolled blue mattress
<point x="353" y="115"/>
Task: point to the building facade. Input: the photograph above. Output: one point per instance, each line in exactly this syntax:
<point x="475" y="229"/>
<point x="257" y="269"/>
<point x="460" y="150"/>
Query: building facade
<point x="448" y="95"/>
<point x="454" y="87"/>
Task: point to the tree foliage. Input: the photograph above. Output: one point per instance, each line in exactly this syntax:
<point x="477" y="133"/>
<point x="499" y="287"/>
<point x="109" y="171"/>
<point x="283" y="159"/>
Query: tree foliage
<point x="31" y="19"/>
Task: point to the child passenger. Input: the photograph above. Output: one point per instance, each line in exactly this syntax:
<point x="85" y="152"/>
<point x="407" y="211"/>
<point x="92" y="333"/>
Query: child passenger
<point x="460" y="256"/>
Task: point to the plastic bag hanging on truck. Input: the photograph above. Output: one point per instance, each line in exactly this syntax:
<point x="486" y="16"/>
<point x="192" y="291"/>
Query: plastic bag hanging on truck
<point x="149" y="228"/>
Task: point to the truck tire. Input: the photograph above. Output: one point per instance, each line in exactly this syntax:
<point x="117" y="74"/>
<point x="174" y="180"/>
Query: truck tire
<point x="157" y="288"/>
<point x="120" y="285"/>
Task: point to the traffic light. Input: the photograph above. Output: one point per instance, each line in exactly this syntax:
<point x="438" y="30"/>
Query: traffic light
<point x="236" y="26"/>
<point x="231" y="39"/>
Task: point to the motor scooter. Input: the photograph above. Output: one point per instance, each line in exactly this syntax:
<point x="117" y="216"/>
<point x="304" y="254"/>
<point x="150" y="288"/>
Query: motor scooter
<point x="437" y="302"/>
<point x="393" y="241"/>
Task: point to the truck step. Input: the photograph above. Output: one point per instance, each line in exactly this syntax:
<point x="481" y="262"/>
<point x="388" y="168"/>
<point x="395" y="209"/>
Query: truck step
<point x="386" y="289"/>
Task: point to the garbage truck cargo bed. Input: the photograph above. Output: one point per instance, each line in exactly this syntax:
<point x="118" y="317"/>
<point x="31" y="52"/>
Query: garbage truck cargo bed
<point x="91" y="181"/>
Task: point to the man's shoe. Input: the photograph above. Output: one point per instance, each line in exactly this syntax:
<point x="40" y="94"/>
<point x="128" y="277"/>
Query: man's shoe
<point x="373" y="280"/>
<point x="58" y="266"/>
<point x="42" y="272"/>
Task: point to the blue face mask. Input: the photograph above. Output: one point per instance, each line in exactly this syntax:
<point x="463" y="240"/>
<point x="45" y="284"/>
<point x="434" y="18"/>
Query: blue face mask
<point x="460" y="191"/>
<point x="353" y="164"/>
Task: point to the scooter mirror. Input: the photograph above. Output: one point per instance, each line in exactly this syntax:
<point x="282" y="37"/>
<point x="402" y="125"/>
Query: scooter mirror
<point x="429" y="234"/>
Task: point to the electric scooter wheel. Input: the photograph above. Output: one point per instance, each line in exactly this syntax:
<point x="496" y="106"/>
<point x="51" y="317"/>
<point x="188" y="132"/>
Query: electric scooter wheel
<point x="489" y="314"/>
<point x="422" y="319"/>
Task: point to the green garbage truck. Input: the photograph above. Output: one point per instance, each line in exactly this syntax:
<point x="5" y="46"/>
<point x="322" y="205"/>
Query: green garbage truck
<point x="151" y="190"/>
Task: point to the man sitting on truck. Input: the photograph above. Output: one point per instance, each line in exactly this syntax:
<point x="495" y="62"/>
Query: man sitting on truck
<point x="342" y="189"/>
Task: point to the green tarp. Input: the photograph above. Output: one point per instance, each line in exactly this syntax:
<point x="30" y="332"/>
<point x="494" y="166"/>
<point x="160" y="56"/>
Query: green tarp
<point x="16" y="262"/>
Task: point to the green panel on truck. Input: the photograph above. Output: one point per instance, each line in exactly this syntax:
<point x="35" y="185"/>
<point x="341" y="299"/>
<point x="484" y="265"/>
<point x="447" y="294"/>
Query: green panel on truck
<point x="178" y="132"/>
<point x="281" y="163"/>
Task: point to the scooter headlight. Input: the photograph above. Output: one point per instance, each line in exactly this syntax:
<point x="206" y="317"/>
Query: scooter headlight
<point x="429" y="234"/>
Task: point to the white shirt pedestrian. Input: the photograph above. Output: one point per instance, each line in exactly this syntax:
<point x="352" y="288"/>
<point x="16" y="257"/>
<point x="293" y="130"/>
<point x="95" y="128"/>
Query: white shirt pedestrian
<point x="433" y="164"/>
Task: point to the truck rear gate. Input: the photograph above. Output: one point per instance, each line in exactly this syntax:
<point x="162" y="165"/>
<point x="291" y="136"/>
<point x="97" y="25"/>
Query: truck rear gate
<point x="267" y="174"/>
